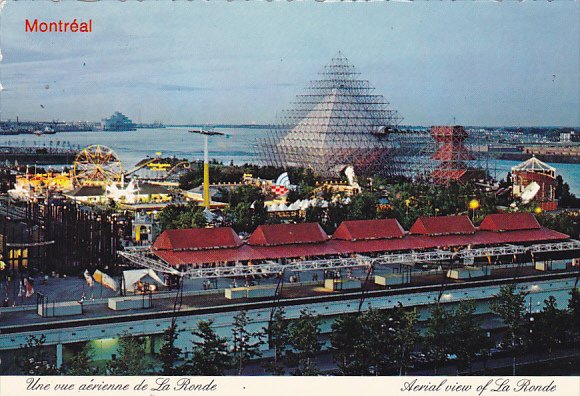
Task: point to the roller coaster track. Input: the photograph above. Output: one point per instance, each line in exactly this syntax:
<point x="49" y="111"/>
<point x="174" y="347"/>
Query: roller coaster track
<point x="169" y="173"/>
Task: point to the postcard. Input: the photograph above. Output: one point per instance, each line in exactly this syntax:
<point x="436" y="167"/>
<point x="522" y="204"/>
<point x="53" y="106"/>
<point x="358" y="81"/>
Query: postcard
<point x="220" y="196"/>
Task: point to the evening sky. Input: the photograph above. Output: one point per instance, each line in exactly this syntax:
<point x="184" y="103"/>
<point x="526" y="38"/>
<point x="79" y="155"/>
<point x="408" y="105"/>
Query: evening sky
<point x="482" y="63"/>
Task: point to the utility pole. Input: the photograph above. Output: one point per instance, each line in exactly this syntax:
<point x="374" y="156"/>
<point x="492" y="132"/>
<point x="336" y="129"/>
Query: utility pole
<point x="206" y="135"/>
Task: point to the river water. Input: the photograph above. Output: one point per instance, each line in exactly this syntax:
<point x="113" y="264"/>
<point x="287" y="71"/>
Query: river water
<point x="236" y="146"/>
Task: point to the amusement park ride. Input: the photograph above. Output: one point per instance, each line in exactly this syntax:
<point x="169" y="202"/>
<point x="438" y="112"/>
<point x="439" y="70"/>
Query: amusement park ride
<point x="97" y="165"/>
<point x="206" y="134"/>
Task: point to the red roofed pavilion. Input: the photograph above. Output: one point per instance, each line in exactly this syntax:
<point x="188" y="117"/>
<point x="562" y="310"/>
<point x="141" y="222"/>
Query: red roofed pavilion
<point x="354" y="230"/>
<point x="287" y="234"/>
<point x="197" y="239"/>
<point x="509" y="222"/>
<point x="443" y="225"/>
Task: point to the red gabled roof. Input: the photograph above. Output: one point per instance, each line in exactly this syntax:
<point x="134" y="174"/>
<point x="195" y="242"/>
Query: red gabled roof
<point x="509" y="222"/>
<point x="443" y="225"/>
<point x="287" y="234"/>
<point x="197" y="239"/>
<point x="353" y="230"/>
<point x="335" y="247"/>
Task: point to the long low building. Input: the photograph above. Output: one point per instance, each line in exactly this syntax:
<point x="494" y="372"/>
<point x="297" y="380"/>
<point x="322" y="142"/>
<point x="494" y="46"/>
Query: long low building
<point x="200" y="247"/>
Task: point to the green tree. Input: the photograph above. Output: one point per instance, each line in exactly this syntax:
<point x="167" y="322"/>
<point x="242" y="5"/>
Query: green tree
<point x="565" y="198"/>
<point x="548" y="327"/>
<point x="198" y="219"/>
<point x="438" y="335"/>
<point x="182" y="216"/>
<point x="509" y="305"/>
<point x="363" y="206"/>
<point x="278" y="339"/>
<point x="405" y="337"/>
<point x="347" y="332"/>
<point x="565" y="222"/>
<point x="294" y="195"/>
<point x="326" y="194"/>
<point x="375" y="349"/>
<point x="248" y="216"/>
<point x="192" y="178"/>
<point x="131" y="357"/>
<point x="336" y="213"/>
<point x="303" y="176"/>
<point x="169" y="353"/>
<point x="32" y="358"/>
<point x="210" y="352"/>
<point x="80" y="364"/>
<point x="315" y="214"/>
<point x="244" y="194"/>
<point x="469" y="339"/>
<point x="246" y="344"/>
<point x="573" y="314"/>
<point x="303" y="334"/>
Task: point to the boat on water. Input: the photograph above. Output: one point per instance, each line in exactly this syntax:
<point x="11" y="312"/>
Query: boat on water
<point x="45" y="131"/>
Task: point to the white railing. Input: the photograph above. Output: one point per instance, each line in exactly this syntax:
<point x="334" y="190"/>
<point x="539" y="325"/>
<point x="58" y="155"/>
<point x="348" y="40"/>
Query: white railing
<point x="140" y="255"/>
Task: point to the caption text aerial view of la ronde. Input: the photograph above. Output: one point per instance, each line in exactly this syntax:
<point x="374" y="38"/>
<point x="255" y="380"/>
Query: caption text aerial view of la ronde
<point x="290" y="189"/>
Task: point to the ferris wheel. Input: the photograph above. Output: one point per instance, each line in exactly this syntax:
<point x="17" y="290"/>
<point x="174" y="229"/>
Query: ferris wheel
<point x="97" y="165"/>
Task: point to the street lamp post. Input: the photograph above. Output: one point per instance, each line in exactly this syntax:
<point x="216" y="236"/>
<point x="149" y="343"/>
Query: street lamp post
<point x="473" y="205"/>
<point x="206" y="134"/>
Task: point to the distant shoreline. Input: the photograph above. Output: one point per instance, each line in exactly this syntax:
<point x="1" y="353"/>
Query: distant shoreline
<point x="241" y="126"/>
<point x="558" y="159"/>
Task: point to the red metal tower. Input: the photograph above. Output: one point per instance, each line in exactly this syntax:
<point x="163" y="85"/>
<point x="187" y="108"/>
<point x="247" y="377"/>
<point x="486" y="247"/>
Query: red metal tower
<point x="451" y="154"/>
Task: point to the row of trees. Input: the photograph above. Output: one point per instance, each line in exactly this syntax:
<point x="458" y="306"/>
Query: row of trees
<point x="362" y="206"/>
<point x="406" y="202"/>
<point x="306" y="181"/>
<point x="231" y="173"/>
<point x="181" y="216"/>
<point x="246" y="211"/>
<point x="565" y="198"/>
<point x="376" y="342"/>
<point x="567" y="222"/>
<point x="296" y="343"/>
<point x="409" y="201"/>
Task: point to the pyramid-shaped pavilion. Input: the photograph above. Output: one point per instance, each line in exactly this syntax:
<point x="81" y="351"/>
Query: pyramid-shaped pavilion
<point x="338" y="121"/>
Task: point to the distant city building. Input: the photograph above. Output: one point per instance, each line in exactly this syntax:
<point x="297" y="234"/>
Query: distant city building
<point x="569" y="136"/>
<point x="566" y="137"/>
<point x="117" y="122"/>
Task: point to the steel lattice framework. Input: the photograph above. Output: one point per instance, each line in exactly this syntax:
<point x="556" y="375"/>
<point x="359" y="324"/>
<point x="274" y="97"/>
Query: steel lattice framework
<point x="139" y="256"/>
<point x="337" y="121"/>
